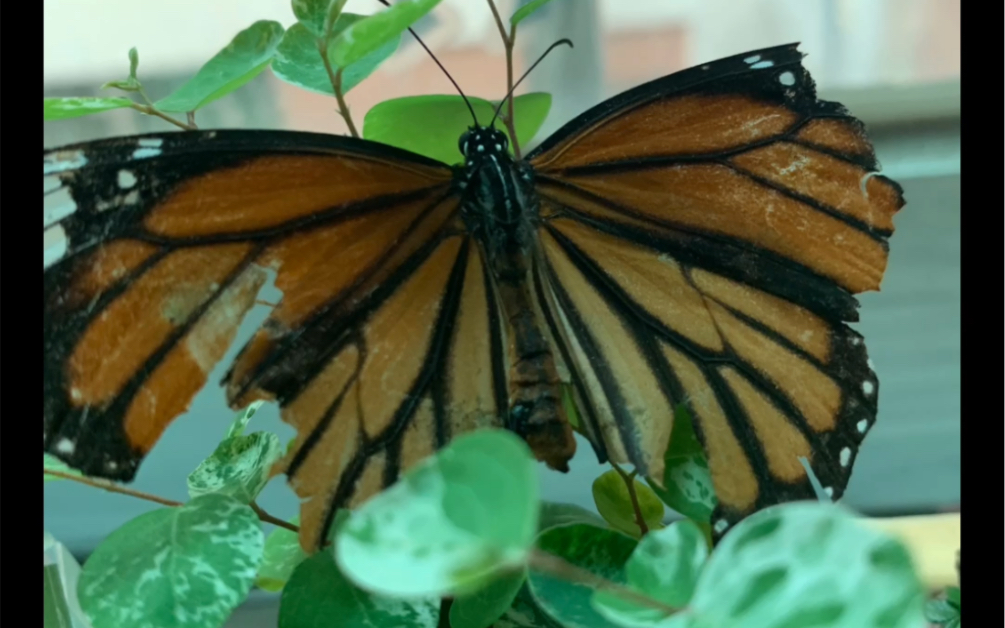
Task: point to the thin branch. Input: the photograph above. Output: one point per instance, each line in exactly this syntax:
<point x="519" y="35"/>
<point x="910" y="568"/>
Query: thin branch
<point x="508" y="42"/>
<point x="111" y="487"/>
<point x="555" y="566"/>
<point x="629" y="479"/>
<point x="150" y="110"/>
<point x="267" y="518"/>
<point x="335" y="76"/>
<point x="191" y="119"/>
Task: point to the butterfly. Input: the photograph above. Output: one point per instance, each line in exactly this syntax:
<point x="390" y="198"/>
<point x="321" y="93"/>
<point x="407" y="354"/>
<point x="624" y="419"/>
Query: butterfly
<point x="697" y="240"/>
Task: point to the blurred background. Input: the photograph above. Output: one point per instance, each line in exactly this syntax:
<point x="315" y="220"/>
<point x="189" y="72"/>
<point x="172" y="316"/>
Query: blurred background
<point x="894" y="63"/>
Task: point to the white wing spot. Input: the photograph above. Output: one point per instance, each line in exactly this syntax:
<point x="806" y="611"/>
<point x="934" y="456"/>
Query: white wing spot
<point x="787" y="78"/>
<point x="65" y="446"/>
<point x="58" y="205"/>
<point x="51" y="183"/>
<point x="855" y="341"/>
<point x="845" y="456"/>
<point x="150" y="142"/>
<point x="721" y="525"/>
<point x="761" y="65"/>
<point x="753" y="59"/>
<point x="111" y="465"/>
<point x="868" y="387"/>
<point x="144" y="153"/>
<point x="862" y="426"/>
<point x="126" y="179"/>
<point x="63" y="160"/>
<point x="868" y="362"/>
<point x="56" y="245"/>
<point x="829" y="491"/>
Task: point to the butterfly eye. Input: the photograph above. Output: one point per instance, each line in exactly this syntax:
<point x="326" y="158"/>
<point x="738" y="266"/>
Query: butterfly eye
<point x="462" y="143"/>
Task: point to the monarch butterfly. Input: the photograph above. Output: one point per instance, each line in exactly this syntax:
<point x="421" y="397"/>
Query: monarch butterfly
<point x="696" y="240"/>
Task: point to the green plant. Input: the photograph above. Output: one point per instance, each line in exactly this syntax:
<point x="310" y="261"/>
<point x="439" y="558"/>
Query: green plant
<point x="463" y="539"/>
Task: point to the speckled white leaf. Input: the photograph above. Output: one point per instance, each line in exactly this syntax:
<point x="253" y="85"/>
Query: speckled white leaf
<point x="242" y="419"/>
<point x="449" y="524"/>
<point x="807" y="564"/>
<point x="239" y="467"/>
<point x="182" y="567"/>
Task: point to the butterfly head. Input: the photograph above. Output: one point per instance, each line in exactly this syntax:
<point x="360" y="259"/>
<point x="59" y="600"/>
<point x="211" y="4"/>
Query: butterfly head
<point x="479" y="143"/>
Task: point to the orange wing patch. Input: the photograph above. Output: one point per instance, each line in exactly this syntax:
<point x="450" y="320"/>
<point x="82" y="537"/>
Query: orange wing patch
<point x="694" y="124"/>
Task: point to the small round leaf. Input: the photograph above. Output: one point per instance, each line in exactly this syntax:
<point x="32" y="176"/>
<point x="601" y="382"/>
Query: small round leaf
<point x="665" y="567"/>
<point x="240" y="467"/>
<point x="281" y="556"/>
<point x="448" y="525"/>
<point x="600" y="551"/>
<point x="807" y="564"/>
<point x="319" y="596"/>
<point x="182" y="567"/>
<point x="615" y="504"/>
<point x="431" y="125"/>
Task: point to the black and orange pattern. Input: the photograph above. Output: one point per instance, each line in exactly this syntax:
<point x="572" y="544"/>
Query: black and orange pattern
<point x="698" y="240"/>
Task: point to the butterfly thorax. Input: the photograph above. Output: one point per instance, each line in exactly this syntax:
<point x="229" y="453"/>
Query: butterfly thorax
<point x="500" y="210"/>
<point x="499" y="205"/>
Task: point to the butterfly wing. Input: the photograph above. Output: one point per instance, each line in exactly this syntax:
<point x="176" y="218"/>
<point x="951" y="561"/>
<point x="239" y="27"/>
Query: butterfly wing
<point x="703" y="236"/>
<point x="155" y="248"/>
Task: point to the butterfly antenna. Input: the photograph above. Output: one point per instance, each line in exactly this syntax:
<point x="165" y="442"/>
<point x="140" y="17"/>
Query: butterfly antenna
<point x="437" y="61"/>
<point x="533" y="65"/>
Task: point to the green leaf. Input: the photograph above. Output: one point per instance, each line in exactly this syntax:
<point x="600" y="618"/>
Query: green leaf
<point x="55" y="611"/>
<point x="599" y="551"/>
<point x="431" y="125"/>
<point x="298" y="61"/>
<point x="241" y="60"/>
<point x="281" y="556"/>
<point x="134" y="62"/>
<point x="367" y="35"/>
<point x="665" y="567"/>
<point x="182" y="567"/>
<point x="687" y="483"/>
<point x="312" y="13"/>
<point x="615" y="504"/>
<point x="240" y="467"/>
<point x="241" y="420"/>
<point x="448" y="525"/>
<point x="807" y="564"/>
<point x="65" y="108"/>
<point x="953" y="596"/>
<point x="941" y="612"/>
<point x="482" y="608"/>
<point x="555" y="514"/>
<point x="523" y="12"/>
<point x="319" y="596"/>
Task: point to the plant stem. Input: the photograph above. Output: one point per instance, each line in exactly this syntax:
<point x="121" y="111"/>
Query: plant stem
<point x="112" y="487"/>
<point x="445" y="604"/>
<point x="267" y="518"/>
<point x="150" y="110"/>
<point x="508" y="41"/>
<point x="335" y="76"/>
<point x="555" y="566"/>
<point x="191" y="119"/>
<point x="629" y="479"/>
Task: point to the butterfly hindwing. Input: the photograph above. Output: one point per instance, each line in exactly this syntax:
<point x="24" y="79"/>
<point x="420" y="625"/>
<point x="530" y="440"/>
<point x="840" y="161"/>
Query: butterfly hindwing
<point x="718" y="222"/>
